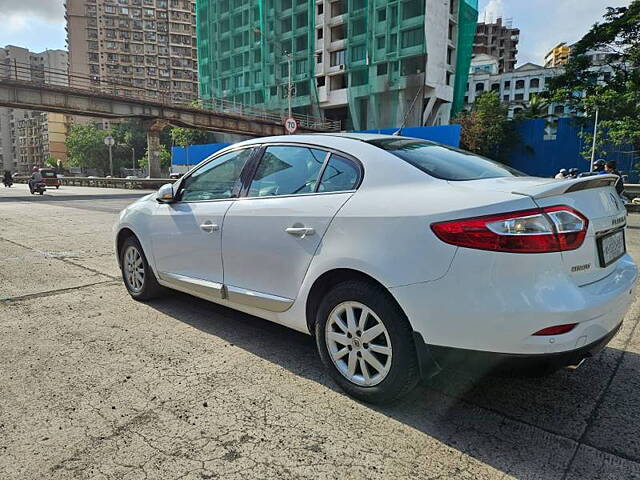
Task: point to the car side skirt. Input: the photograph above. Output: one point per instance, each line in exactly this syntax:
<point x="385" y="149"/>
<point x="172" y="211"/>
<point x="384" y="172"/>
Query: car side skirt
<point x="193" y="286"/>
<point x="217" y="291"/>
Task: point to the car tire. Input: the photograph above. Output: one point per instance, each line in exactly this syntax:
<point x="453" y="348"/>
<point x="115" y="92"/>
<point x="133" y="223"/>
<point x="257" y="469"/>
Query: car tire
<point x="138" y="277"/>
<point x="393" y="348"/>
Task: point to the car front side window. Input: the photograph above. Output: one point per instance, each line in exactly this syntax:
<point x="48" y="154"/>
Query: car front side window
<point x="218" y="179"/>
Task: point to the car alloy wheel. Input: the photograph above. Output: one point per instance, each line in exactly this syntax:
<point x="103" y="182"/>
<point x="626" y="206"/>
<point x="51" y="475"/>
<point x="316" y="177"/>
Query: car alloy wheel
<point x="134" y="269"/>
<point x="358" y="343"/>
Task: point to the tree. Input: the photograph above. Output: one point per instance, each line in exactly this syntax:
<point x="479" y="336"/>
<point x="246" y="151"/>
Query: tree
<point x="486" y="129"/>
<point x="538" y="107"/>
<point x="612" y="88"/>
<point x="130" y="137"/>
<point x="86" y="148"/>
<point x="183" y="137"/>
<point x="165" y="158"/>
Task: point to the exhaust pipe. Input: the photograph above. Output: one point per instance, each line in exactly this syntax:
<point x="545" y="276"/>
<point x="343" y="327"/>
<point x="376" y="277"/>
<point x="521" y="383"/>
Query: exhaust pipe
<point x="574" y="367"/>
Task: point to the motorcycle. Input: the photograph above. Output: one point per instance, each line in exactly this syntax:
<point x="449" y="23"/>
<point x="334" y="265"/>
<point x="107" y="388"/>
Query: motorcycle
<point x="7" y="182"/>
<point x="39" y="187"/>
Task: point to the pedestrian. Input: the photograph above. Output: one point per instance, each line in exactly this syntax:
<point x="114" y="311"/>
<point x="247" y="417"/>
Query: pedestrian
<point x="611" y="168"/>
<point x="598" y="167"/>
<point x="7" y="180"/>
<point x="562" y="174"/>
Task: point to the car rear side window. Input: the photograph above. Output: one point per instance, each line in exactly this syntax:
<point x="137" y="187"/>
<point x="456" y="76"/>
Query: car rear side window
<point x="443" y="162"/>
<point x="340" y="175"/>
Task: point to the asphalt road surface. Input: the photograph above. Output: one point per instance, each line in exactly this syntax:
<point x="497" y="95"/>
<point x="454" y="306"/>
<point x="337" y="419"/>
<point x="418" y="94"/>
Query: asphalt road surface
<point x="95" y="385"/>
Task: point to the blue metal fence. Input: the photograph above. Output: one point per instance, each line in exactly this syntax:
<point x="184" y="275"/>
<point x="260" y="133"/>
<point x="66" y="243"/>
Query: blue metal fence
<point x="194" y="154"/>
<point x="445" y="134"/>
<point x="542" y="151"/>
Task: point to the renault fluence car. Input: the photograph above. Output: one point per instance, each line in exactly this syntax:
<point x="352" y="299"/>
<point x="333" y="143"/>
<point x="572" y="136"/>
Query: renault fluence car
<point x="400" y="256"/>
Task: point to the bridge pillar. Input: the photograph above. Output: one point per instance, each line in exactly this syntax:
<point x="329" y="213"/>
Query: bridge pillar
<point x="153" y="128"/>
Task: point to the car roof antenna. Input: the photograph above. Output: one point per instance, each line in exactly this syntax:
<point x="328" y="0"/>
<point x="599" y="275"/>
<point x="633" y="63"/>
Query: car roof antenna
<point x="406" y="115"/>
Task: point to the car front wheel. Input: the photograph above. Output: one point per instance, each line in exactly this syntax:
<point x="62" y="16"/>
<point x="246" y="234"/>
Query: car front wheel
<point x="366" y="342"/>
<point x="136" y="272"/>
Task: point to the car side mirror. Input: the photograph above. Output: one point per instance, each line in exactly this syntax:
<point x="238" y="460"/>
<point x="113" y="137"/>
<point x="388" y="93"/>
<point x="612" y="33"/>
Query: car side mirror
<point x="165" y="194"/>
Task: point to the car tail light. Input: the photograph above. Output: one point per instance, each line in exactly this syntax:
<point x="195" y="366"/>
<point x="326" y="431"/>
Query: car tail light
<point x="540" y="230"/>
<point x="555" y="330"/>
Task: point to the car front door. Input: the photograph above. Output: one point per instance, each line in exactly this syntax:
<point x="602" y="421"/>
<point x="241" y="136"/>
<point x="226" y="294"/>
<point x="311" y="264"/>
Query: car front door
<point x="187" y="234"/>
<point x="270" y="236"/>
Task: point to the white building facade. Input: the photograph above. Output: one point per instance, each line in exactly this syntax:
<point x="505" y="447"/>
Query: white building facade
<point x="514" y="88"/>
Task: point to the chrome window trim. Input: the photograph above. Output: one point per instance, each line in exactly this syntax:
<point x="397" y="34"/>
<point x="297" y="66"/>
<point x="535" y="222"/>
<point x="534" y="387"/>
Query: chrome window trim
<point x="293" y="195"/>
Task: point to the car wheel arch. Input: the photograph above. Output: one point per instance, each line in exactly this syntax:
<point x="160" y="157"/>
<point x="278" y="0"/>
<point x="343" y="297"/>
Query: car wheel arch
<point x="328" y="279"/>
<point x="122" y="236"/>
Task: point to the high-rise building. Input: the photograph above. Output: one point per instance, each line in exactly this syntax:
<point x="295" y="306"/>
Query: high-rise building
<point x="500" y="41"/>
<point x="367" y="63"/>
<point x="124" y="45"/>
<point x="29" y="138"/>
<point x="557" y="56"/>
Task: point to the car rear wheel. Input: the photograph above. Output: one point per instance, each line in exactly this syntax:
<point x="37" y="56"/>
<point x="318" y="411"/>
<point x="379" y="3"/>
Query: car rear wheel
<point x="136" y="272"/>
<point x="366" y="342"/>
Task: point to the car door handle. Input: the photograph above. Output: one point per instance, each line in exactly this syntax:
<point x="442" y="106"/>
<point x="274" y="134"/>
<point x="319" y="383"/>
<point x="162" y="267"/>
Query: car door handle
<point x="209" y="227"/>
<point x="300" y="231"/>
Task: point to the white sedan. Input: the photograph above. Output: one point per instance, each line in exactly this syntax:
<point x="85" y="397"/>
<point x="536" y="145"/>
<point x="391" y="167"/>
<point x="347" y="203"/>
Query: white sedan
<point x="400" y="256"/>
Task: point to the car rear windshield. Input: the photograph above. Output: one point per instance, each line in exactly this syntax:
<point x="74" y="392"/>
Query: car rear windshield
<point x="48" y="173"/>
<point x="443" y="162"/>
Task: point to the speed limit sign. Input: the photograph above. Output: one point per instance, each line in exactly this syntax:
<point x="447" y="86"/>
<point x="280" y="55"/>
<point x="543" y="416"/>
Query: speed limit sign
<point x="291" y="125"/>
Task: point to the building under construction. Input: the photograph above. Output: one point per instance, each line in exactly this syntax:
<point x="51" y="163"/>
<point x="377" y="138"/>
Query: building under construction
<point x="368" y="63"/>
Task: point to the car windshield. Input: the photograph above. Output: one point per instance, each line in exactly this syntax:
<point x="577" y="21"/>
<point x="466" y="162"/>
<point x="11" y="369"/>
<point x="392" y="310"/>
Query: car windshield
<point x="444" y="162"/>
<point x="48" y="173"/>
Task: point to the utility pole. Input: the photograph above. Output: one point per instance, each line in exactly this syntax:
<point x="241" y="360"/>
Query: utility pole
<point x="133" y="157"/>
<point x="595" y="135"/>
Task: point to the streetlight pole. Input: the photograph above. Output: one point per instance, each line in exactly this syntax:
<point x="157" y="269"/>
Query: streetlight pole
<point x="289" y="88"/>
<point x="109" y="141"/>
<point x="595" y="135"/>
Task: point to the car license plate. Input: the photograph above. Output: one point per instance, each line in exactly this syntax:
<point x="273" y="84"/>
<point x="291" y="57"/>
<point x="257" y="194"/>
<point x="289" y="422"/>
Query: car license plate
<point x="611" y="247"/>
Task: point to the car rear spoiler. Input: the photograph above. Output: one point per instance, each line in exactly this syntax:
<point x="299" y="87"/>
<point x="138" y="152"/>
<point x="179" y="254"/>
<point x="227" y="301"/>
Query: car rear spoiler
<point x="567" y="186"/>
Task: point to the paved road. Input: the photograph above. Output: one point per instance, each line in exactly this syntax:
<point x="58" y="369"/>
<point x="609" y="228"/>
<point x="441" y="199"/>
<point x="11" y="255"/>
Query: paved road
<point x="94" y="385"/>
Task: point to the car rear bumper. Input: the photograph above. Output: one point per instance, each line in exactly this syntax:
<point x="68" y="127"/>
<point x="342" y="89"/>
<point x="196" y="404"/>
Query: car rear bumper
<point x="498" y="308"/>
<point x="480" y="362"/>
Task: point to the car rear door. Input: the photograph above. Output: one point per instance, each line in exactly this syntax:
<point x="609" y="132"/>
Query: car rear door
<point x="187" y="234"/>
<point x="270" y="236"/>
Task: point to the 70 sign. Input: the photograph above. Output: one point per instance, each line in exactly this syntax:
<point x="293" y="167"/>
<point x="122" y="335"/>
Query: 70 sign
<point x="290" y="125"/>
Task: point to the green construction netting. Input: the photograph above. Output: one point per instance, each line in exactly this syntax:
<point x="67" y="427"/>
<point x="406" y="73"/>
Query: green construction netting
<point x="244" y="47"/>
<point x="467" y="22"/>
<point x="384" y="61"/>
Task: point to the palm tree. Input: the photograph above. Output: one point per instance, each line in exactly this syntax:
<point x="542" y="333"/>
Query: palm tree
<point x="537" y="107"/>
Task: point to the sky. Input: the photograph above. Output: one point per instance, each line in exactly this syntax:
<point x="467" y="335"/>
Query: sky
<point x="545" y="23"/>
<point x="39" y="24"/>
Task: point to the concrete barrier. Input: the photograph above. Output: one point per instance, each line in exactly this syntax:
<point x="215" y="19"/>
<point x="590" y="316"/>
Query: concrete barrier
<point x="127" y="183"/>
